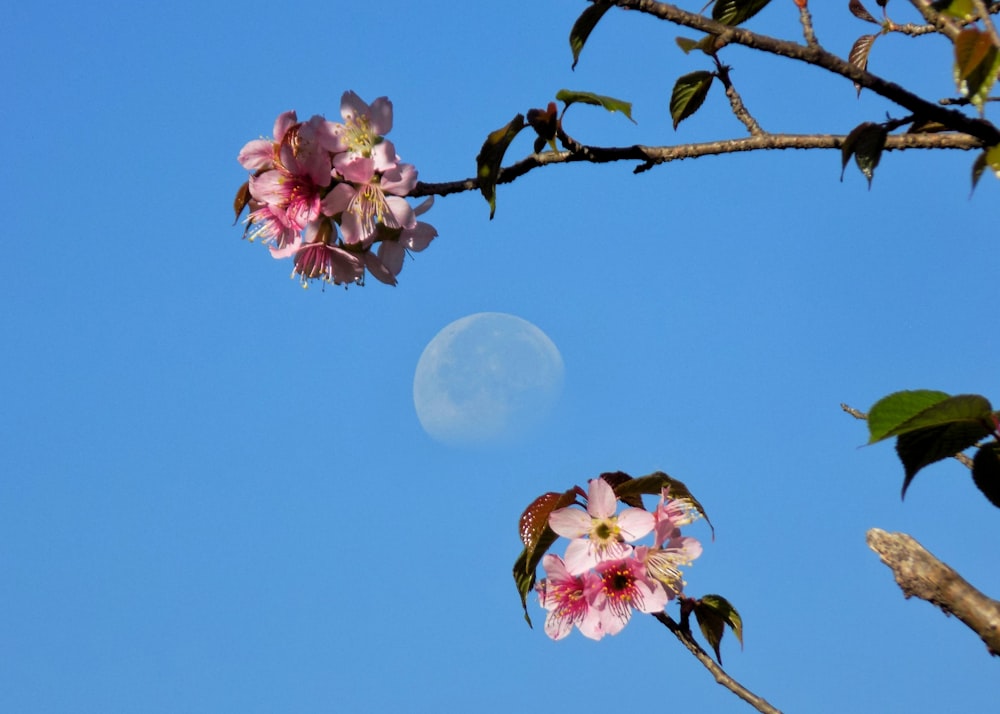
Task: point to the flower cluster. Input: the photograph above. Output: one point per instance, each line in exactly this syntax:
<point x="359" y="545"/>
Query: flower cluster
<point x="602" y="578"/>
<point x="325" y="194"/>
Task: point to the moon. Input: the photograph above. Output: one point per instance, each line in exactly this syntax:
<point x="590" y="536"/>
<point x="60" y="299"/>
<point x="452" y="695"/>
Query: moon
<point x="487" y="378"/>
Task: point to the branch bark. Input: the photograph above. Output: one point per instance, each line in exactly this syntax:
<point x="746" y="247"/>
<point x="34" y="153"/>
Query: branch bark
<point x="920" y="574"/>
<point x="757" y="702"/>
<point x="650" y="156"/>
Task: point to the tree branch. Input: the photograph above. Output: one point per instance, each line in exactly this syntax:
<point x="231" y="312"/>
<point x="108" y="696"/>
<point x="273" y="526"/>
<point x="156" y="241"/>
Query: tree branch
<point x="758" y="703"/>
<point x="953" y="119"/>
<point x="920" y="574"/>
<point x="652" y="155"/>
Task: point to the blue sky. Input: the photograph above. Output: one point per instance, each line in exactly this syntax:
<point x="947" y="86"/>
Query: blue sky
<point x="215" y="493"/>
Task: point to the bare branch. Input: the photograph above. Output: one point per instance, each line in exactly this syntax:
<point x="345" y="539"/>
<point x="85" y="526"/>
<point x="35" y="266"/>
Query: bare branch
<point x="942" y="24"/>
<point x="807" y="25"/>
<point x="652" y="155"/>
<point x="736" y="101"/>
<point x="918" y="573"/>
<point x="758" y="703"/>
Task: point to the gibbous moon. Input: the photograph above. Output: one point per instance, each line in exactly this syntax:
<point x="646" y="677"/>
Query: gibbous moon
<point x="487" y="378"/>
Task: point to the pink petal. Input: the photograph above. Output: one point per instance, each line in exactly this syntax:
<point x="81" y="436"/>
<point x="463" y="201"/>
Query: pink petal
<point x="257" y="154"/>
<point x="392" y="253"/>
<point x="569" y="522"/>
<point x="419" y="237"/>
<point x="380" y="115"/>
<point x="338" y="199"/>
<point x="351" y="106"/>
<point x="601" y="500"/>
<point x="580" y="556"/>
<point x="377" y="269"/>
<point x="283" y="123"/>
<point x="635" y="523"/>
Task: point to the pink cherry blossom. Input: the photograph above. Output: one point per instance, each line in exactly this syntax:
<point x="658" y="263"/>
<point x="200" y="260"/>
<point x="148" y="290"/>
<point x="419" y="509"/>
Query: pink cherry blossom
<point x="623" y="586"/>
<point x="599" y="534"/>
<point x="317" y="259"/>
<point x="391" y="251"/>
<point x="565" y="597"/>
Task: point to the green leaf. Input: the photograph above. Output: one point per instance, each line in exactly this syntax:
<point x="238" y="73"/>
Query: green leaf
<point x="977" y="61"/>
<point x="959" y="9"/>
<point x="986" y="471"/>
<point x="610" y="103"/>
<point x="583" y="26"/>
<point x="922" y="447"/>
<point x="537" y="537"/>
<point x="894" y="410"/>
<point x="858" y="55"/>
<point x="735" y="12"/>
<point x="706" y="44"/>
<point x="491" y="156"/>
<point x="990" y="157"/>
<point x="688" y="94"/>
<point x="713" y="613"/>
<point x="865" y="143"/>
<point x="962" y="408"/>
<point x="652" y="485"/>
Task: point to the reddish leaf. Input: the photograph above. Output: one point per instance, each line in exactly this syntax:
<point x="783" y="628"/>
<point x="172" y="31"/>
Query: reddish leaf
<point x="861" y="12"/>
<point x="536" y="516"/>
<point x="859" y="54"/>
<point x="241" y="200"/>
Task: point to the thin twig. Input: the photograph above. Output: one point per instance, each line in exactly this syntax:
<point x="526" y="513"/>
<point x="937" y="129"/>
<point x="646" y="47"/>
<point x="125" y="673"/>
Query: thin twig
<point x="807" y="25"/>
<point x="984" y="15"/>
<point x="653" y="155"/>
<point x="736" y="101"/>
<point x="918" y="573"/>
<point x="757" y="702"/>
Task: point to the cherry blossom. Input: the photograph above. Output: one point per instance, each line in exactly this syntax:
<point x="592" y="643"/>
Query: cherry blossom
<point x="599" y="534"/>
<point x="565" y="597"/>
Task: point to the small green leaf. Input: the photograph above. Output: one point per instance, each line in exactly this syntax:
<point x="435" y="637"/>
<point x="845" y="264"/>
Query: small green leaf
<point x="959" y="9"/>
<point x="990" y="157"/>
<point x="706" y="44"/>
<point x="859" y="54"/>
<point x="713" y="613"/>
<point x="894" y="410"/>
<point x="686" y="44"/>
<point x="583" y="26"/>
<point x="961" y="408"/>
<point x="491" y="156"/>
<point x="977" y="61"/>
<point x="653" y="485"/>
<point x="986" y="471"/>
<point x="688" y="94"/>
<point x="610" y="103"/>
<point x="735" y="12"/>
<point x="865" y="143"/>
